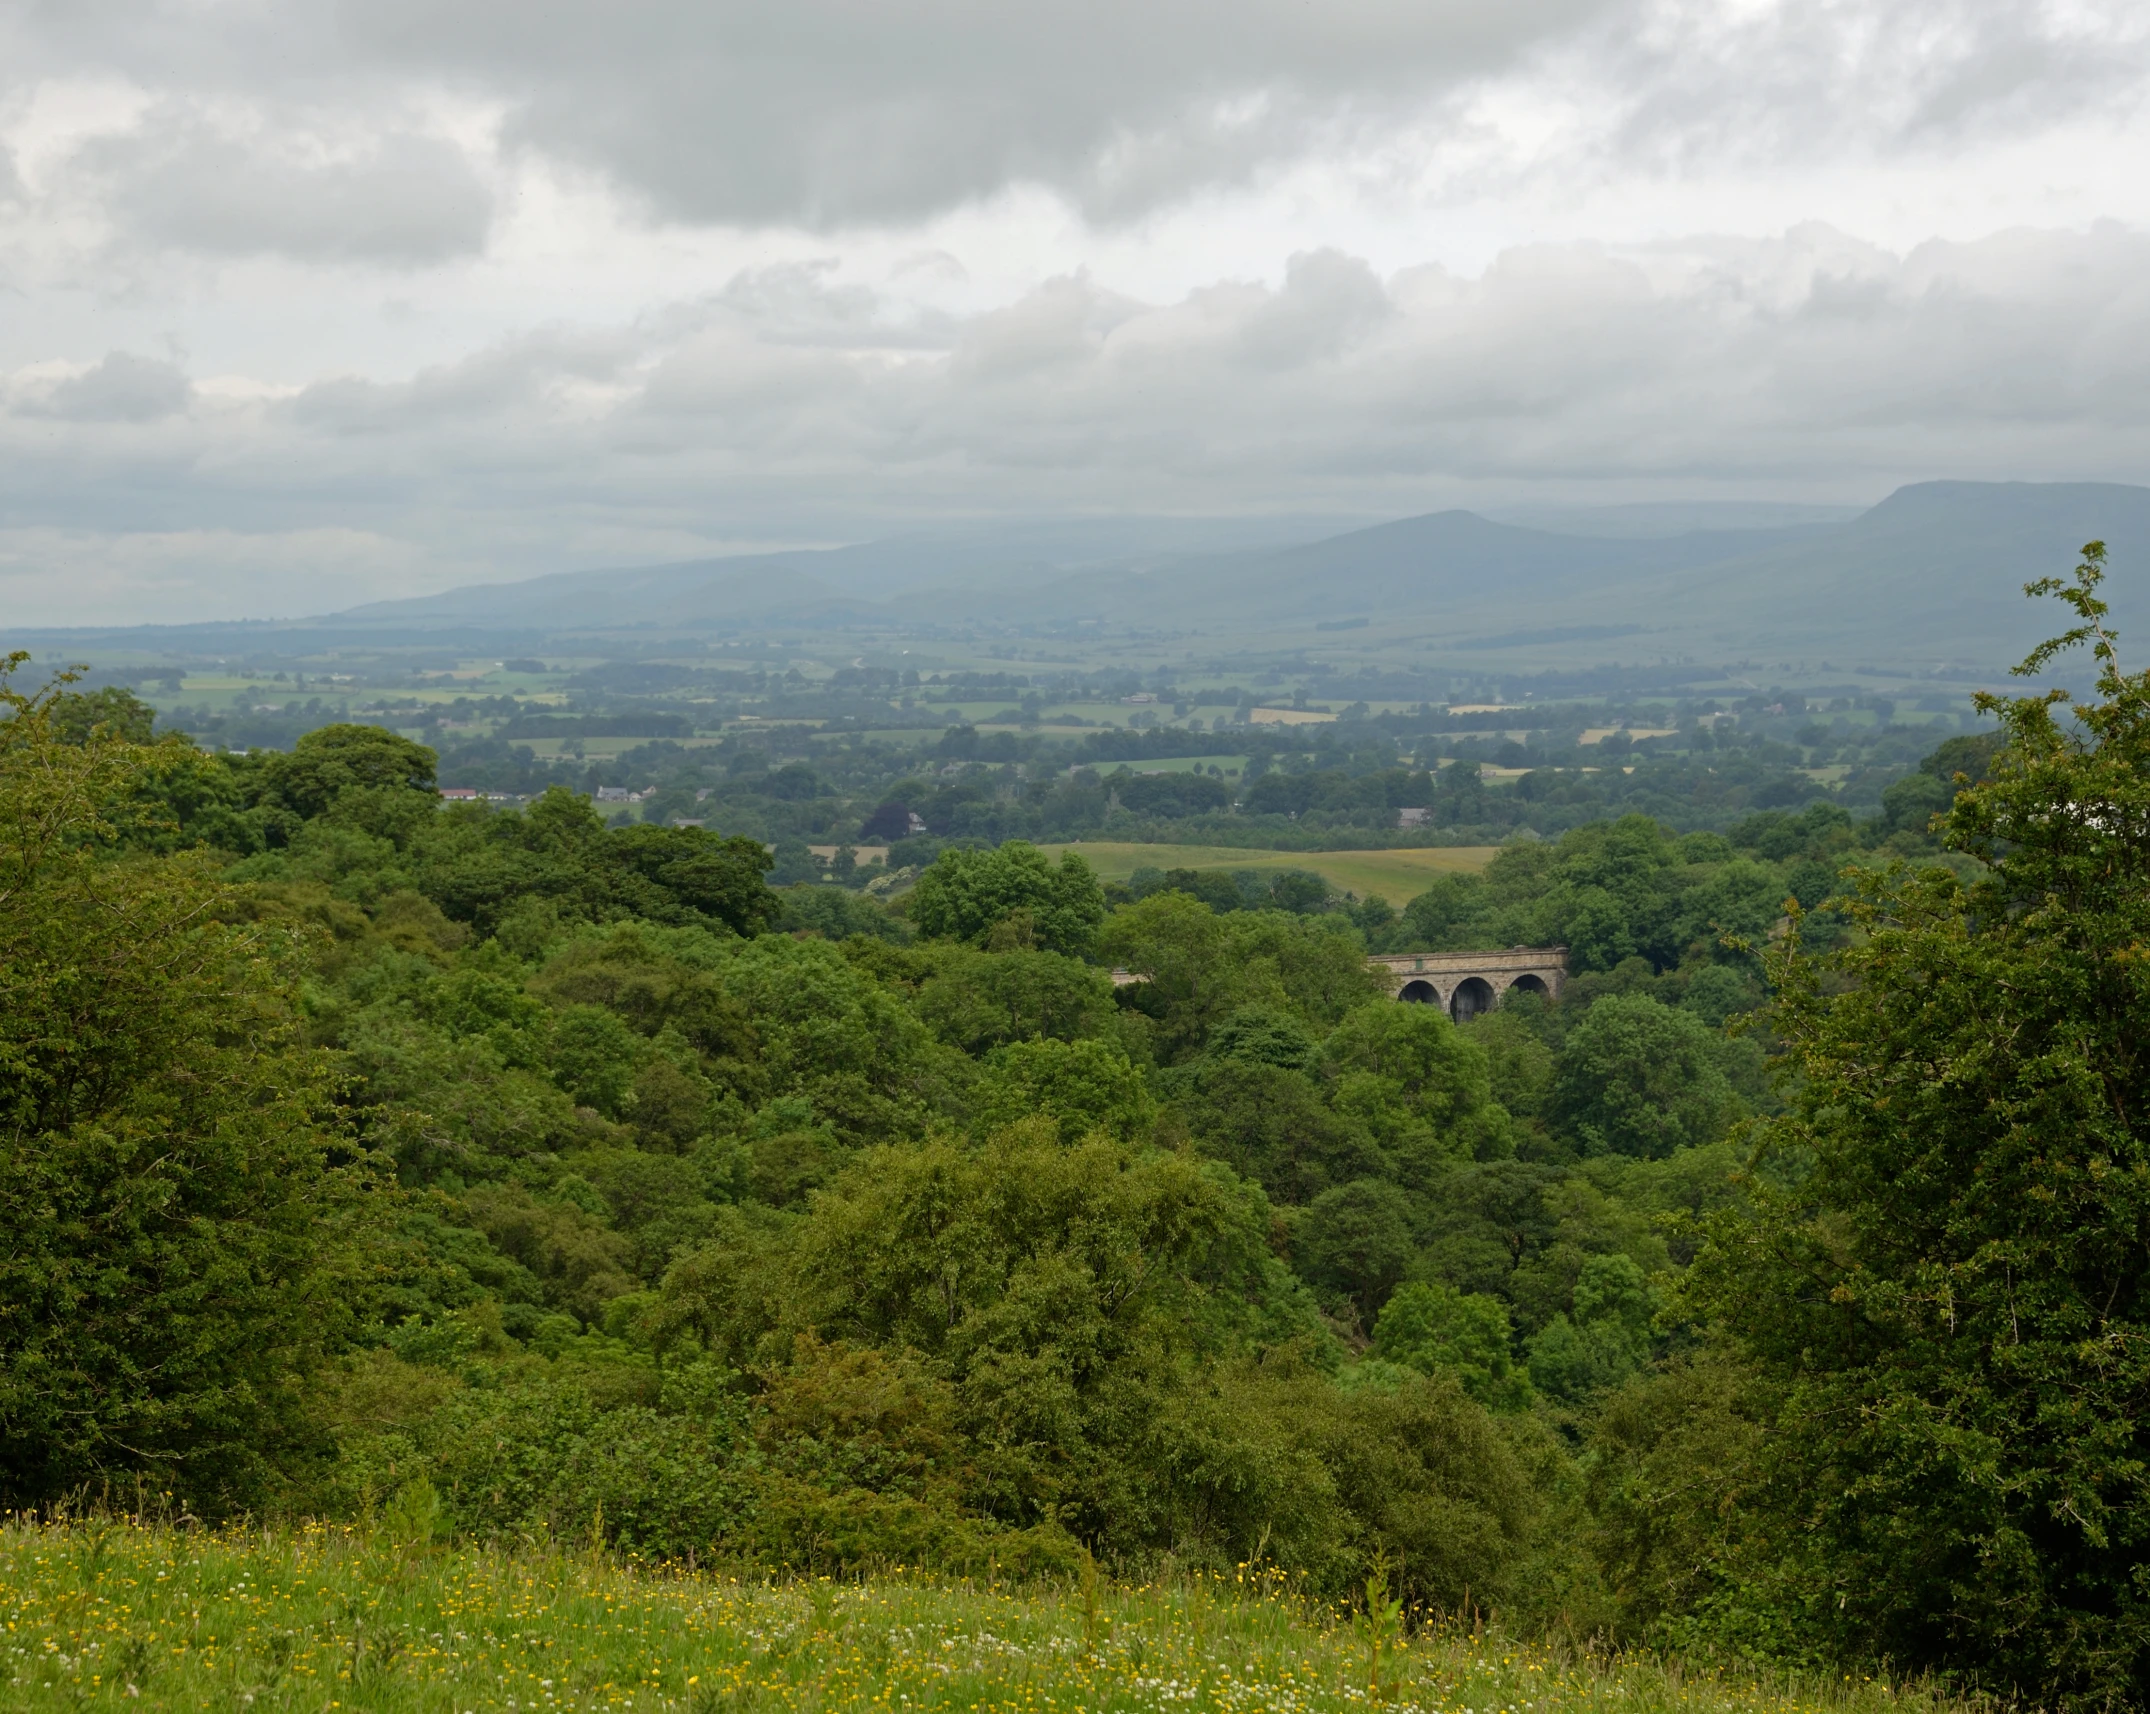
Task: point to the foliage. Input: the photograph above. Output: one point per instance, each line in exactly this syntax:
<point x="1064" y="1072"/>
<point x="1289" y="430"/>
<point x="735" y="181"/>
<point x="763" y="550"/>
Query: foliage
<point x="1354" y="1242"/>
<point x="1631" y="888"/>
<point x="1638" y="1078"/>
<point x="1421" y="1086"/>
<point x="628" y="1129"/>
<point x="842" y="1229"/>
<point x="75" y="716"/>
<point x="181" y="1209"/>
<point x="1082" y="1086"/>
<point x="1603" y="1339"/>
<point x="1198" y="968"/>
<point x="835" y="914"/>
<point x="967" y="895"/>
<point x="978" y="1001"/>
<point x="1432" y="1327"/>
<point x="1942" y="1277"/>
<point x="332" y="761"/>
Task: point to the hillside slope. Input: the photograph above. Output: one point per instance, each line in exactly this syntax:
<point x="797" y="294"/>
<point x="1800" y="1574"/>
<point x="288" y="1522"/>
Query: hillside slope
<point x="1932" y="574"/>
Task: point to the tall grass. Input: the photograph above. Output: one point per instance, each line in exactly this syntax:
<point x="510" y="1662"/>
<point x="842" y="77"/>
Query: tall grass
<point x="121" y="1613"/>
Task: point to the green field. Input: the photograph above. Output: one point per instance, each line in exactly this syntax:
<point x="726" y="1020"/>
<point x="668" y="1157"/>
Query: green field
<point x="1229" y="766"/>
<point x="601" y="748"/>
<point x="1392" y="875"/>
<point x="114" y="1615"/>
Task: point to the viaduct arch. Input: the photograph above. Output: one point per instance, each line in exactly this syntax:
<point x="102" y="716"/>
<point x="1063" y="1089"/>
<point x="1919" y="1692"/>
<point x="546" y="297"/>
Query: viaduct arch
<point x="1463" y="984"/>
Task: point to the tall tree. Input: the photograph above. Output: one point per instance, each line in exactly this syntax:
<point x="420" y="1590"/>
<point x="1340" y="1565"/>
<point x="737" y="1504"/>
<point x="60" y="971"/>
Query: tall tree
<point x="1944" y="1279"/>
<point x="967" y="895"/>
<point x="177" y="1207"/>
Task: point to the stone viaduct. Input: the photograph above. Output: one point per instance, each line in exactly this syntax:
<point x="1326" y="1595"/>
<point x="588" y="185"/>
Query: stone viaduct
<point x="1462" y="983"/>
<point x="1467" y="983"/>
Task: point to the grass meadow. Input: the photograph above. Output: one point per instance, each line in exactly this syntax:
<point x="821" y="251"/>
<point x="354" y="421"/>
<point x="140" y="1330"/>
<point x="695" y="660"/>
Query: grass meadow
<point x="118" y="1614"/>
<point x="1396" y="875"/>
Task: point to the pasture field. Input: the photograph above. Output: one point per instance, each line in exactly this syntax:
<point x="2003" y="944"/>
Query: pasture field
<point x="1229" y="766"/>
<point x="1393" y="875"/>
<point x="125" y="1616"/>
<point x="600" y="749"/>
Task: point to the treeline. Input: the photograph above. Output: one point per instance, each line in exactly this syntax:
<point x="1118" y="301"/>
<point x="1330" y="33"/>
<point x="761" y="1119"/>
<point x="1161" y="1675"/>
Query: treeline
<point x="566" y="1180"/>
<point x="1338" y="785"/>
<point x="1338" y="808"/>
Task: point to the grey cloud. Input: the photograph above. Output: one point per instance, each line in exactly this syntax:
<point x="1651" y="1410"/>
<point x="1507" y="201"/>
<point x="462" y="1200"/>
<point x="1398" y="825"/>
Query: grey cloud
<point x="1808" y="366"/>
<point x="748" y="383"/>
<point x="833" y="112"/>
<point x="1330" y="302"/>
<point x="1064" y="325"/>
<point x="403" y="200"/>
<point x="799" y="305"/>
<point x="842" y="110"/>
<point x="123" y="388"/>
<point x="836" y="111"/>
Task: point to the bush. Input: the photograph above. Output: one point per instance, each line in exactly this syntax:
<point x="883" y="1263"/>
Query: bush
<point x="1081" y="1085"/>
<point x="966" y="894"/>
<point x="545" y="1459"/>
<point x="1604" y="1340"/>
<point x="1638" y="1078"/>
<point x="1354" y="1242"/>
<point x="1432" y="1327"/>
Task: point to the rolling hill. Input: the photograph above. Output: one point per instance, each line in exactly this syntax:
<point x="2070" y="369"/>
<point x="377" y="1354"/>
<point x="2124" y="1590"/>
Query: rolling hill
<point x="1930" y="576"/>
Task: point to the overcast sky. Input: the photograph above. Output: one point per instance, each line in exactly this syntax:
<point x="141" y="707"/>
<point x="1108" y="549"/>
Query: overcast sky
<point x="304" y="302"/>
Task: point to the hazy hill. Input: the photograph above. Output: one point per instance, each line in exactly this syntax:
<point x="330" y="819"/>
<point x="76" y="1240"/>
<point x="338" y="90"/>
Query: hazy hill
<point x="1932" y="574"/>
<point x="834" y="583"/>
<point x="1443" y="566"/>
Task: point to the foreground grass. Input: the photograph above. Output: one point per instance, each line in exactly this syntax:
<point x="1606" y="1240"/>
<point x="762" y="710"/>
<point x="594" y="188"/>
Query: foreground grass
<point x="105" y="1614"/>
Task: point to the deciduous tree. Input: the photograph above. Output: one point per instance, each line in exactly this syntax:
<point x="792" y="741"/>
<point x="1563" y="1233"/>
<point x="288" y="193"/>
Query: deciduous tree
<point x="1945" y="1279"/>
<point x="180" y="1209"/>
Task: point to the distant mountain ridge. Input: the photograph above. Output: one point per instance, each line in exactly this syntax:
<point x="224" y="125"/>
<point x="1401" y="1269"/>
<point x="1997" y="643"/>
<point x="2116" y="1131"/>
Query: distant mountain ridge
<point x="831" y="582"/>
<point x="1932" y="574"/>
<point x="1018" y="573"/>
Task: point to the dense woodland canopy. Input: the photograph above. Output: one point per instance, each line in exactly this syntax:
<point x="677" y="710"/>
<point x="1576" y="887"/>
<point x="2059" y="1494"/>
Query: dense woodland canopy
<point x="1779" y="1291"/>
